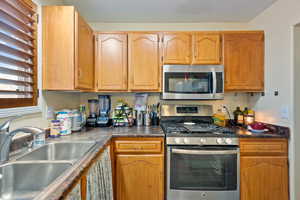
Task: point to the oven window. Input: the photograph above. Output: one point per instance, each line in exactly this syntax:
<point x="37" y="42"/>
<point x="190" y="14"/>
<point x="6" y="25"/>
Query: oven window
<point x="206" y="172"/>
<point x="179" y="82"/>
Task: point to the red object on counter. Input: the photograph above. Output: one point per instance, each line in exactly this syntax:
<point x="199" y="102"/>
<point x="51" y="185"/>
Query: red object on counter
<point x="258" y="126"/>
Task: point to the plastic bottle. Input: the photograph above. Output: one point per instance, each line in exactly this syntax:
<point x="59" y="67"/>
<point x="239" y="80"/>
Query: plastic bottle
<point x="39" y="140"/>
<point x="76" y="120"/>
<point x="66" y="123"/>
<point x="82" y="111"/>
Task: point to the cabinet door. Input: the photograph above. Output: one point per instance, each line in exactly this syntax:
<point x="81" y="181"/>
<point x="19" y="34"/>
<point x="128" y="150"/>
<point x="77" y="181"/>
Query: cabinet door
<point x="111" y="62"/>
<point x="207" y="49"/>
<point x="264" y="178"/>
<point x="244" y="62"/>
<point x="139" y="177"/>
<point x="84" y="55"/>
<point x="143" y="62"/>
<point x="58" y="47"/>
<point x="177" y="48"/>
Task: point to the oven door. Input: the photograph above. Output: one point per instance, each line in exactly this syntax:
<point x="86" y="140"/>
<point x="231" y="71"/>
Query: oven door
<point x="192" y="82"/>
<point x="203" y="173"/>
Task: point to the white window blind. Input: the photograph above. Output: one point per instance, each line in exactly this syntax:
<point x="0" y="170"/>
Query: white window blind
<point x="18" y="62"/>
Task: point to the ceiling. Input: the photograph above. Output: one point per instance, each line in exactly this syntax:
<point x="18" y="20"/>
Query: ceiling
<point x="188" y="11"/>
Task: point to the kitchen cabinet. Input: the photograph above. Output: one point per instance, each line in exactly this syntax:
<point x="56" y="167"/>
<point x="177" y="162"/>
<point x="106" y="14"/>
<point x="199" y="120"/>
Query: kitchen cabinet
<point x="139" y="168"/>
<point x="68" y="50"/>
<point x="111" y="62"/>
<point x="264" y="169"/>
<point x="143" y="62"/>
<point x="177" y="48"/>
<point x="206" y="48"/>
<point x="244" y="61"/>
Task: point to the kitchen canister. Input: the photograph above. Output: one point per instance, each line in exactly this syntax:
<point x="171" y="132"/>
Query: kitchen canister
<point x="65" y="122"/>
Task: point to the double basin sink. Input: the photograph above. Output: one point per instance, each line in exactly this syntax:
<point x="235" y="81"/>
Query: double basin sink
<point x="31" y="173"/>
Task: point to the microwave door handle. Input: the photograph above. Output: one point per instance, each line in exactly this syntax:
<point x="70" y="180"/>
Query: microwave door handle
<point x="214" y="74"/>
<point x="203" y="152"/>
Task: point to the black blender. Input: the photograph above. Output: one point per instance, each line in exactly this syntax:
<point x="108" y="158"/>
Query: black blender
<point x="103" y="119"/>
<point x="93" y="109"/>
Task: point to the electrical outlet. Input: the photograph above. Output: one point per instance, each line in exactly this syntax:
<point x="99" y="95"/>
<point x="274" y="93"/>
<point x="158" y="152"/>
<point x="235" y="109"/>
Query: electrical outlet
<point x="284" y="112"/>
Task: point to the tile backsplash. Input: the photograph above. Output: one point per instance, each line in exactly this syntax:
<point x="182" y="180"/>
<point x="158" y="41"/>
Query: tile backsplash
<point x="231" y="100"/>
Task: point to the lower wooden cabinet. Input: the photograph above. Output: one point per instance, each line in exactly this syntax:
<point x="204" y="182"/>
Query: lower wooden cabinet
<point x="264" y="174"/>
<point x="139" y="175"/>
<point x="264" y="178"/>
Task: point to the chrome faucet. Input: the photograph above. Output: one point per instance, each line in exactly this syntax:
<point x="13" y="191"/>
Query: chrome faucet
<point x="6" y="137"/>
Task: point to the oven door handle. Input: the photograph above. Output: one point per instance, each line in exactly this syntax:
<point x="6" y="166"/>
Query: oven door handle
<point x="204" y="152"/>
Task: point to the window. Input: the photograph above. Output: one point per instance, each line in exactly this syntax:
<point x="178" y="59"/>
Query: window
<point x="18" y="53"/>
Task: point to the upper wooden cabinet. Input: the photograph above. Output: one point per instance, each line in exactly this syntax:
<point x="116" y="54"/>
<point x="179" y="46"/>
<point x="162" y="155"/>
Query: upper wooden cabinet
<point x="111" y="62"/>
<point x="68" y="50"/>
<point x="143" y="61"/>
<point x="206" y="48"/>
<point x="177" y="48"/>
<point x="244" y="61"/>
<point x="84" y="68"/>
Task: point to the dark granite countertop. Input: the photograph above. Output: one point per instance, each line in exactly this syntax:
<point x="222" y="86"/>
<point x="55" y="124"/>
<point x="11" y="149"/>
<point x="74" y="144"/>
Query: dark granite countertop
<point x="274" y="132"/>
<point x="103" y="135"/>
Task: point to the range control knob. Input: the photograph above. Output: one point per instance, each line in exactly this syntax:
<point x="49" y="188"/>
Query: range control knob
<point x="220" y="141"/>
<point x="228" y="141"/>
<point x="202" y="140"/>
<point x="186" y="141"/>
<point x="177" y="140"/>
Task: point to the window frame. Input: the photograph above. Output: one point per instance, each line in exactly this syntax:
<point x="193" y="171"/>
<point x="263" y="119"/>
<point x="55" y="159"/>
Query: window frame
<point x="30" y="103"/>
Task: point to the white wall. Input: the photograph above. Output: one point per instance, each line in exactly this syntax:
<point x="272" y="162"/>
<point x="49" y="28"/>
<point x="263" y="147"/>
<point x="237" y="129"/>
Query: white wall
<point x="278" y="21"/>
<point x="297" y="106"/>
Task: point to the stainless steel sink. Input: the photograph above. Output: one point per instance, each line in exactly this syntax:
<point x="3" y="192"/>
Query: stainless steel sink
<point x="24" y="180"/>
<point x="69" y="151"/>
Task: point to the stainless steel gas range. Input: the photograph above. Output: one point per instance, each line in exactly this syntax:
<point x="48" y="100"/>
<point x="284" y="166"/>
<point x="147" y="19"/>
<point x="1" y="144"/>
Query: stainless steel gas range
<point x="202" y="159"/>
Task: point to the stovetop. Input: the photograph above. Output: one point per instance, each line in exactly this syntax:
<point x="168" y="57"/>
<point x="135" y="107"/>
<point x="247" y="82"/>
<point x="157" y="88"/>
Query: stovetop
<point x="198" y="134"/>
<point x="196" y="130"/>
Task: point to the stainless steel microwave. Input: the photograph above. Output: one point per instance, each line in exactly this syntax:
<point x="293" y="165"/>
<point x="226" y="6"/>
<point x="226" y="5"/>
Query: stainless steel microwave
<point x="189" y="82"/>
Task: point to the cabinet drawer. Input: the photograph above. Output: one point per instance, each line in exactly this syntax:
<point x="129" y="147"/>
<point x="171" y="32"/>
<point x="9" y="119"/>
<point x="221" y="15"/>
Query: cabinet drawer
<point x="264" y="146"/>
<point x="127" y="146"/>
